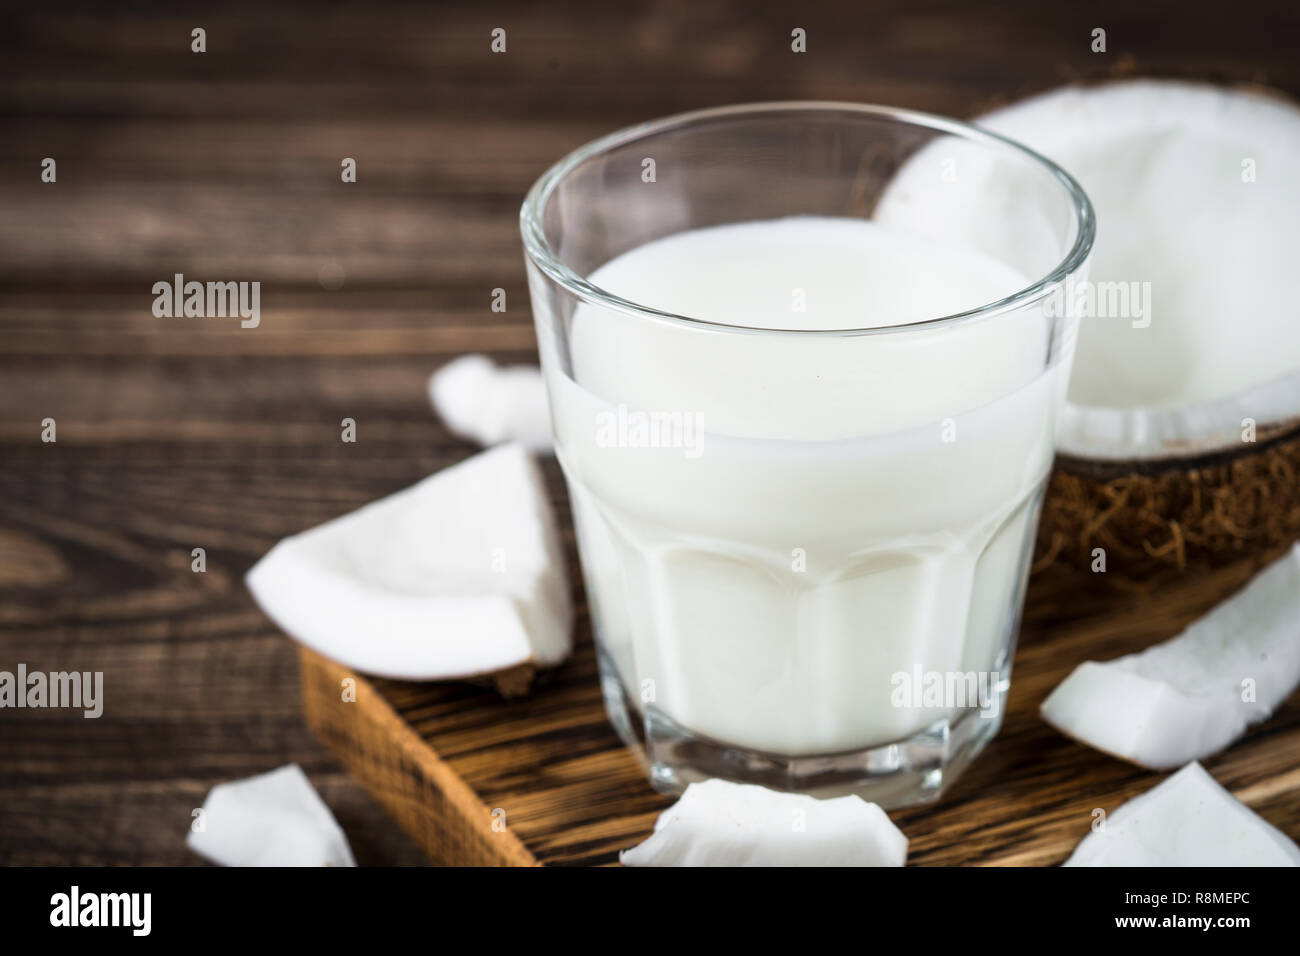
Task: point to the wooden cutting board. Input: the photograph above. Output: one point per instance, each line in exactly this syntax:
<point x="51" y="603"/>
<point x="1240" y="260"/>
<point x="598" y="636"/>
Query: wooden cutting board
<point x="477" y="779"/>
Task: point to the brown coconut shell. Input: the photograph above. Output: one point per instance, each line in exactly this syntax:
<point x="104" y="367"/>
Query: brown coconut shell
<point x="1161" y="519"/>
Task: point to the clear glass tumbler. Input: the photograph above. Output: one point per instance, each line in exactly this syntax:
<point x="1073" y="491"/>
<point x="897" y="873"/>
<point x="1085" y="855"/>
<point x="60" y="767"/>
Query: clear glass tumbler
<point x="805" y="363"/>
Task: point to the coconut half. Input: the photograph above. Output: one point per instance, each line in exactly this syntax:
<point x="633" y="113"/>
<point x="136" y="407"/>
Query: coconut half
<point x="1180" y="437"/>
<point x="1198" y="692"/>
<point x="1197" y="192"/>
<point x="461" y="575"/>
<point x="719" y="823"/>
<point x="273" y="819"/>
<point x="488" y="404"/>
<point x="1188" y="820"/>
<point x="1180" y="440"/>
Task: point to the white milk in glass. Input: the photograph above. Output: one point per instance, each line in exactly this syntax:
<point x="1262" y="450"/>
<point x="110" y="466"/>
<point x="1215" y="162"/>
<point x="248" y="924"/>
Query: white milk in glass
<point x="834" y="511"/>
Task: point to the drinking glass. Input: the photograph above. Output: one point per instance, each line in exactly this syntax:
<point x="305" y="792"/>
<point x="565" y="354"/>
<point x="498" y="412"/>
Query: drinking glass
<point x="805" y="544"/>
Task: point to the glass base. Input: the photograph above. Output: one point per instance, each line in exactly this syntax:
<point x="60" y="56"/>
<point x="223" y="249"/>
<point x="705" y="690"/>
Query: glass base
<point x="899" y="774"/>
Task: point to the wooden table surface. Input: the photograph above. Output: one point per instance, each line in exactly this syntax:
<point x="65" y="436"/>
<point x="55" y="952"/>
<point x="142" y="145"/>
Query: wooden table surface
<point x="175" y="434"/>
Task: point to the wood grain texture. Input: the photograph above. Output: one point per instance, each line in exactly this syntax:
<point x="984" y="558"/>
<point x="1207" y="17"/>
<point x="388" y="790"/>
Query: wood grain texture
<point x="573" y="795"/>
<point x="175" y="434"/>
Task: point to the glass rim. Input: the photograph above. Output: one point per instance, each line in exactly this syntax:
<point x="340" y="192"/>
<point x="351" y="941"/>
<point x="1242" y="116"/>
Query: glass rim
<point x="540" y="253"/>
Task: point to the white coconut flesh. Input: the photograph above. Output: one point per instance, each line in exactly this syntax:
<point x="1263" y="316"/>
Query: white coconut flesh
<point x="273" y="819"/>
<point x="1187" y="820"/>
<point x="489" y="404"/>
<point x="1198" y="692"/>
<point x="459" y="575"/>
<point x="1197" y="191"/>
<point x="719" y="823"/>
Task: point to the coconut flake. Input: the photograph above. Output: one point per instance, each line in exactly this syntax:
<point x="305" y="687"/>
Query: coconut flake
<point x="1188" y="697"/>
<point x="718" y="823"/>
<point x="490" y="405"/>
<point x="459" y="575"/>
<point x="1188" y="820"/>
<point x="273" y="819"/>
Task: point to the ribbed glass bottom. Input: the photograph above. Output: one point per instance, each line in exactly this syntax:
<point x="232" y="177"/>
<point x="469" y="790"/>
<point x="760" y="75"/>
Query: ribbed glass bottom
<point x="898" y="774"/>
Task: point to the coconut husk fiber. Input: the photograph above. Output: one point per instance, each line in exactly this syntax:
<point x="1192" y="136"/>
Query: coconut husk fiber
<point x="1154" y="525"/>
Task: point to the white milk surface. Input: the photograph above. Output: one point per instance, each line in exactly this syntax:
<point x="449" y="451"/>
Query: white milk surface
<point x="838" y="509"/>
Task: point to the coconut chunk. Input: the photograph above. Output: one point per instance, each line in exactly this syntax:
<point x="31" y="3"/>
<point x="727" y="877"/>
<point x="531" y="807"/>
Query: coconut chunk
<point x="273" y="819"/>
<point x="1188" y="820"/>
<point x="489" y="404"/>
<point x="1198" y="692"/>
<point x="718" y="823"/>
<point x="457" y="576"/>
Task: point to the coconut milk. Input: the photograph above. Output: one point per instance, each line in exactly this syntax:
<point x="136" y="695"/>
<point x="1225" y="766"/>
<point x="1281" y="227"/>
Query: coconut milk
<point x="773" y="528"/>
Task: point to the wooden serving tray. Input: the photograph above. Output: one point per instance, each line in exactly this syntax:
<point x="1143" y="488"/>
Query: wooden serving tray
<point x="477" y="779"/>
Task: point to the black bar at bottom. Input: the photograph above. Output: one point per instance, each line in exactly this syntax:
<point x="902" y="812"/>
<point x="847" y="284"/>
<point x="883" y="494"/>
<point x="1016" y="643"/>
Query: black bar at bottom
<point x="209" y="905"/>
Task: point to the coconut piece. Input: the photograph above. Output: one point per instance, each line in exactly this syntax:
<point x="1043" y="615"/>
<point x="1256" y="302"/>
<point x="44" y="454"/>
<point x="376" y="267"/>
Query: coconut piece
<point x="718" y="823"/>
<point x="1158" y="465"/>
<point x="1180" y="438"/>
<point x="273" y="819"/>
<point x="458" y="576"/>
<point x="1188" y="820"/>
<point x="1183" y="700"/>
<point x="490" y="405"/>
